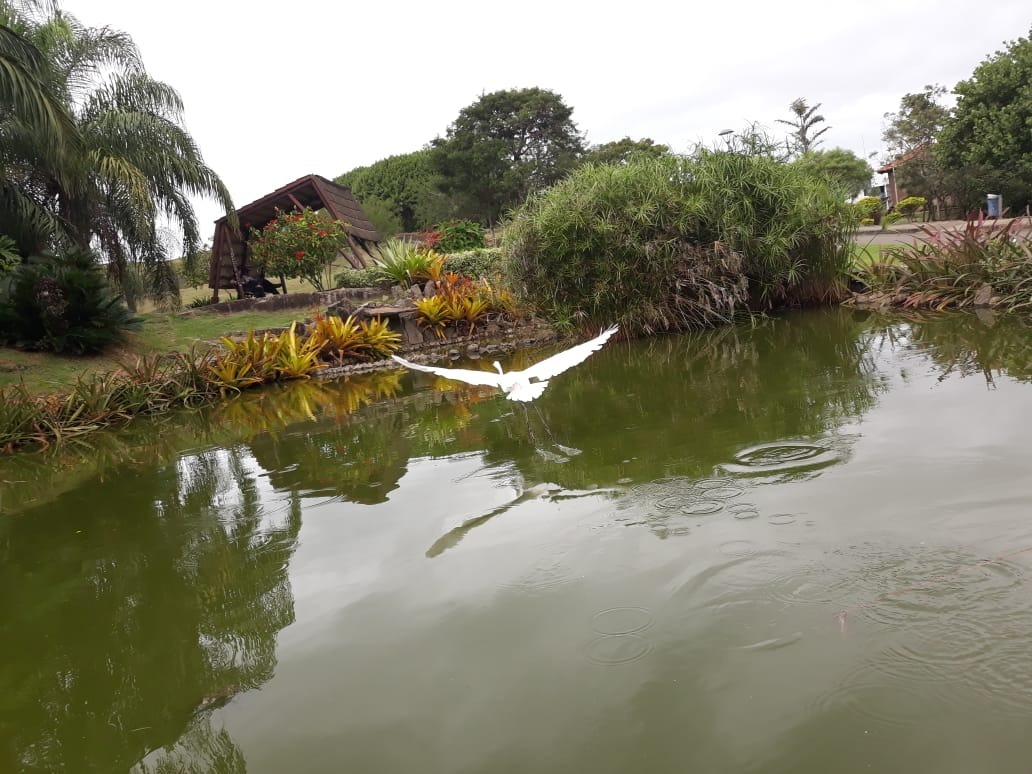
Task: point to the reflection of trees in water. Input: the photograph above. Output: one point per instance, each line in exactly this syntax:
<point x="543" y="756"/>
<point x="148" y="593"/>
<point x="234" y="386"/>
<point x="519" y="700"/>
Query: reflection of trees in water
<point x="684" y="405"/>
<point x="139" y="606"/>
<point x="670" y="406"/>
<point x="967" y="343"/>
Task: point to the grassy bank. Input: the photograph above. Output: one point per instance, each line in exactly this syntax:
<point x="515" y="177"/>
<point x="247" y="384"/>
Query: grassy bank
<point x="44" y="372"/>
<point x="191" y="294"/>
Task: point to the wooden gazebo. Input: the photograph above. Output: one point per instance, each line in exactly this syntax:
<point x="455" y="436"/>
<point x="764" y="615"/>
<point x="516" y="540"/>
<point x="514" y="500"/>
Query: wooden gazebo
<point x="229" y="254"/>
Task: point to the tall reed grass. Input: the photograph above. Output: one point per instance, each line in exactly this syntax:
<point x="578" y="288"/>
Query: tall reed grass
<point x="679" y="242"/>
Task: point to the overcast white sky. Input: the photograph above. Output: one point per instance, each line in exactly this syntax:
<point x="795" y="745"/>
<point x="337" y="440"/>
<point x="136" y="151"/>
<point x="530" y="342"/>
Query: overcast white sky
<point x="276" y="90"/>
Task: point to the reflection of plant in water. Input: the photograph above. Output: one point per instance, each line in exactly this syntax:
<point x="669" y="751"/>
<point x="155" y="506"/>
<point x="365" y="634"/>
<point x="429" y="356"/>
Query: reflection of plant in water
<point x="29" y="480"/>
<point x="165" y="600"/>
<point x="670" y="406"/>
<point x="969" y="343"/>
<point x="685" y="405"/>
<point x="201" y="748"/>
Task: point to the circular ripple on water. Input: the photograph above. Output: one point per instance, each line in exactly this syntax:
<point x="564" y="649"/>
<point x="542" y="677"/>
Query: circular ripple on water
<point x="871" y="694"/>
<point x="943" y="649"/>
<point x="937" y="585"/>
<point x="781" y="519"/>
<point x="542" y="578"/>
<point x="724" y="492"/>
<point x="812" y="583"/>
<point x="674" y="501"/>
<point x="614" y="649"/>
<point x="783" y="456"/>
<point x="621" y="620"/>
<point x="744" y="510"/>
<point x="1005" y="678"/>
<point x="702" y="507"/>
<point x="706" y="484"/>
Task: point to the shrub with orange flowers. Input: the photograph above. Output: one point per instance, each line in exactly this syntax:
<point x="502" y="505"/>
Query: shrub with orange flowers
<point x="299" y="243"/>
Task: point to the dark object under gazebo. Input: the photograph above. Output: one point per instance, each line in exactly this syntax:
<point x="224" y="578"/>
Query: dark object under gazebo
<point x="229" y="253"/>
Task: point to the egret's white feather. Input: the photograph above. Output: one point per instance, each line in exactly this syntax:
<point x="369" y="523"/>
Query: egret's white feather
<point x="517" y="385"/>
<point x="567" y="359"/>
<point x="486" y="378"/>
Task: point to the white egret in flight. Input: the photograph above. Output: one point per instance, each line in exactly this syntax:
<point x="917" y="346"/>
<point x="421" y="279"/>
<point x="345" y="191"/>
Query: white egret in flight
<point x="525" y="385"/>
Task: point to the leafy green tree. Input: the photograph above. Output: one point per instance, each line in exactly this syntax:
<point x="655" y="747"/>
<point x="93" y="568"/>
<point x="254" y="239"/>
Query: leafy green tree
<point x="806" y="118"/>
<point x="405" y="186"/>
<point x="842" y="169"/>
<point x="910" y="135"/>
<point x="991" y="127"/>
<point x="504" y="146"/>
<point x="381" y="213"/>
<point x="918" y="121"/>
<point x="622" y="151"/>
<point x="94" y="150"/>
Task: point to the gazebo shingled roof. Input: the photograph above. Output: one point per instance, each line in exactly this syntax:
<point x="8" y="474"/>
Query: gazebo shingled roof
<point x="312" y="191"/>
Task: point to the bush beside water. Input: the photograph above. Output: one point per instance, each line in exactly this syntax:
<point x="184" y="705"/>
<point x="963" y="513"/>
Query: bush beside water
<point x="63" y="305"/>
<point x="678" y="243"/>
<point x="157" y="383"/>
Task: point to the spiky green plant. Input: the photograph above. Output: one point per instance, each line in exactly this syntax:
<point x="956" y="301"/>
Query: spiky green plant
<point x="675" y="243"/>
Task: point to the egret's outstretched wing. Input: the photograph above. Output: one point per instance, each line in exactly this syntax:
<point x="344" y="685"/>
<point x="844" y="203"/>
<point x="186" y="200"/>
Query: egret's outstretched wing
<point x="555" y="365"/>
<point x="458" y="374"/>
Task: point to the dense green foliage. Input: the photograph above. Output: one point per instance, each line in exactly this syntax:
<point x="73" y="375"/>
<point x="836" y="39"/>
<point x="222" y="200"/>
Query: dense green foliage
<point x="842" y="169"/>
<point x="991" y="128"/>
<point x="504" y="146"/>
<point x="910" y="205"/>
<point x="868" y="206"/>
<point x="382" y="215"/>
<point x="92" y="149"/>
<point x="482" y="262"/>
<point x="9" y="257"/>
<point x="676" y="243"/>
<point x="358" y="278"/>
<point x="298" y="244"/>
<point x="622" y="151"/>
<point x="403" y="185"/>
<point x="62" y="305"/>
<point x="454" y="236"/>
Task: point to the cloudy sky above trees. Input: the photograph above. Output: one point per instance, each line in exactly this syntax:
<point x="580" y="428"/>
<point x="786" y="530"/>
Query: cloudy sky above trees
<point x="277" y="90"/>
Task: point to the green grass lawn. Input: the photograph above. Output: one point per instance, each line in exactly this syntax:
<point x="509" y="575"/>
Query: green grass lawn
<point x="293" y="286"/>
<point x="871" y="253"/>
<point x="46" y="373"/>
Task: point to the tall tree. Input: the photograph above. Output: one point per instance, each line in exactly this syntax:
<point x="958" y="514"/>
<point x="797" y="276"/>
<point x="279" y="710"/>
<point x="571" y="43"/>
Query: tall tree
<point x="622" y="151"/>
<point x="806" y="118"/>
<point x="910" y="134"/>
<point x="846" y="172"/>
<point x="106" y="167"/>
<point x="918" y="121"/>
<point x="404" y="185"/>
<point x="991" y="128"/>
<point x="504" y="146"/>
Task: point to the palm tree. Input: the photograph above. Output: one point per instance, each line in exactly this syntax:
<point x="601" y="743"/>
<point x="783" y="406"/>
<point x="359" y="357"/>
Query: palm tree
<point x="806" y="118"/>
<point x="35" y="129"/>
<point x="127" y="161"/>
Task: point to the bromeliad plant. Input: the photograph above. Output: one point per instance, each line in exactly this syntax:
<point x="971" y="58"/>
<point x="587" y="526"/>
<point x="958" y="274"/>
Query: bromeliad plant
<point x="403" y="264"/>
<point x="982" y="263"/>
<point x="342" y="338"/>
<point x="299" y="244"/>
<point x="461" y="301"/>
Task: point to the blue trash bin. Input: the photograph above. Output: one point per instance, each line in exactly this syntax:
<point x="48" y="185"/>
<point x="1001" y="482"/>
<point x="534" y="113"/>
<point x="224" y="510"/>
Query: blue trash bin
<point x="992" y="205"/>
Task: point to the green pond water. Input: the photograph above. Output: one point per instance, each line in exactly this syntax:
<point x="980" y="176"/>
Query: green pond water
<point x="804" y="547"/>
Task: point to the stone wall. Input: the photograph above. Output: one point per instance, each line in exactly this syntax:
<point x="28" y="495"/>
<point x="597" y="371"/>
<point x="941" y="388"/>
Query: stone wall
<point x="291" y="301"/>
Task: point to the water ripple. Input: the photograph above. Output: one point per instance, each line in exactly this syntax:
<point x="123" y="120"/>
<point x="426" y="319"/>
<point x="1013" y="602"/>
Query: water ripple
<point x="781" y="457"/>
